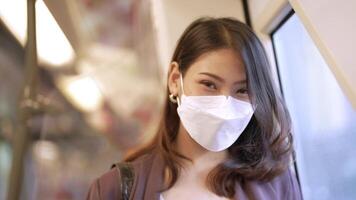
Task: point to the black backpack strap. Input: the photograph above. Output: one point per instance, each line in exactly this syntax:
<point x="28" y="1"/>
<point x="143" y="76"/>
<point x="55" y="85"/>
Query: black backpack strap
<point x="126" y="178"/>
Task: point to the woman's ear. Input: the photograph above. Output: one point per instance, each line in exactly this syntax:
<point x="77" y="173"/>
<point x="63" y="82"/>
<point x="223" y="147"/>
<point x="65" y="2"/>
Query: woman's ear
<point x="173" y="79"/>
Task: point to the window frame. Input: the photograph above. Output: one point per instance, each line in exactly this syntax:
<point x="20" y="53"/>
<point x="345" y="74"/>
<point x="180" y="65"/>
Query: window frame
<point x="278" y="77"/>
<point x="273" y="17"/>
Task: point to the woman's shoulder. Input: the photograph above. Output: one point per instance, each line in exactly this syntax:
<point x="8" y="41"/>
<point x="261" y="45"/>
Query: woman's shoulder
<point x="286" y="182"/>
<point x="283" y="186"/>
<point x="107" y="186"/>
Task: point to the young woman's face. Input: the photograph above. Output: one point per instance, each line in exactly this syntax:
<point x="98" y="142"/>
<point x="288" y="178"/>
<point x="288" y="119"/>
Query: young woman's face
<point x="219" y="72"/>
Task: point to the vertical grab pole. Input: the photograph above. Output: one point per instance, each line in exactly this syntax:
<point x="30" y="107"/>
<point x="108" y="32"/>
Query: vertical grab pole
<point x="26" y="106"/>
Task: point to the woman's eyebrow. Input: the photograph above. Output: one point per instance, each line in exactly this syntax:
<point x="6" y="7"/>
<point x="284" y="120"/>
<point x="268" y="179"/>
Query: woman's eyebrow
<point x="221" y="79"/>
<point x="243" y="81"/>
<point x="213" y="76"/>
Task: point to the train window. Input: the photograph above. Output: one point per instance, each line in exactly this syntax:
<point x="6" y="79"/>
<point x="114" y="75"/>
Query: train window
<point x="324" y="122"/>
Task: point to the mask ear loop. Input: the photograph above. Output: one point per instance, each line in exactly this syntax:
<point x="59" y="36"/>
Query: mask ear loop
<point x="181" y="83"/>
<point x="178" y="101"/>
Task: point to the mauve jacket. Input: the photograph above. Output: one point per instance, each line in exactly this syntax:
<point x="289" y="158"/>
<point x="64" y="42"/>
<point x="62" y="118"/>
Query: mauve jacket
<point x="149" y="179"/>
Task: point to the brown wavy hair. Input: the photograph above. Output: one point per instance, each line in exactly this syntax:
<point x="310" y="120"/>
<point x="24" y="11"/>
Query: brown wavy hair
<point x="264" y="149"/>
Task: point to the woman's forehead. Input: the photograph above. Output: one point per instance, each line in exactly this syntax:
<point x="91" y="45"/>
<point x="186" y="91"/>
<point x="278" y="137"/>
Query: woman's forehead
<point x="225" y="63"/>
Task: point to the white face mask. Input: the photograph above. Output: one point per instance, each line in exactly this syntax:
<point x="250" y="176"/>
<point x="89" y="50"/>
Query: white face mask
<point x="214" y="122"/>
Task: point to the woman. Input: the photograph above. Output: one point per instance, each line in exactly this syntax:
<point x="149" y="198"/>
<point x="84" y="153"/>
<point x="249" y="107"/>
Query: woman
<point x="224" y="133"/>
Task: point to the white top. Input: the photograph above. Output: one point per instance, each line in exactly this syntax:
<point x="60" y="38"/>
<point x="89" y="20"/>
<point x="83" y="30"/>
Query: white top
<point x="161" y="197"/>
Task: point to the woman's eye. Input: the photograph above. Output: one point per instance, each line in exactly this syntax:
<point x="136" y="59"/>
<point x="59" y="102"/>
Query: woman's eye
<point x="242" y="91"/>
<point x="209" y="84"/>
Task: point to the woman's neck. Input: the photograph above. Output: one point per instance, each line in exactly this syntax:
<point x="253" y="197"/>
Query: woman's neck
<point x="193" y="176"/>
<point x="203" y="159"/>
